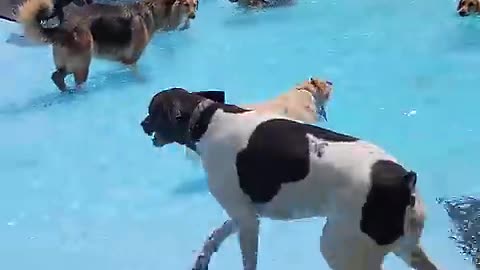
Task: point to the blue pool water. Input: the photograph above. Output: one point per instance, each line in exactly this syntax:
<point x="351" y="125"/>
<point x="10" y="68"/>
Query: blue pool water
<point x="81" y="187"/>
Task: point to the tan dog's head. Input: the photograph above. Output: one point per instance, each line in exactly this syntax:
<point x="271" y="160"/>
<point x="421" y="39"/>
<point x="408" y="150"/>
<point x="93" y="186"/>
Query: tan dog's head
<point x="321" y="91"/>
<point x="467" y="7"/>
<point x="188" y="7"/>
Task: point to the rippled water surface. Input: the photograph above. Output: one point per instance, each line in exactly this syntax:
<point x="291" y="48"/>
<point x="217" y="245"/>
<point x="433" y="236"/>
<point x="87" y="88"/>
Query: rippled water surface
<point x="82" y="188"/>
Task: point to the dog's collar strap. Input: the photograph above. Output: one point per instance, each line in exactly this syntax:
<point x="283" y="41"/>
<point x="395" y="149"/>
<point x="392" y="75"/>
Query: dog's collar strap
<point x="194" y="122"/>
<point x="319" y="106"/>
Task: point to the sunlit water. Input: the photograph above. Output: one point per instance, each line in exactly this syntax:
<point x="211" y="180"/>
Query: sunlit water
<point x="81" y="186"/>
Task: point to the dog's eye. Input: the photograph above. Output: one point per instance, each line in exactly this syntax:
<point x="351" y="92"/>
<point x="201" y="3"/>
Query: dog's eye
<point x="186" y="4"/>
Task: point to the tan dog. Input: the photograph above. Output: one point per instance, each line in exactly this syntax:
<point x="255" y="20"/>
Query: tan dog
<point x="305" y="102"/>
<point x="115" y="32"/>
<point x="468" y="7"/>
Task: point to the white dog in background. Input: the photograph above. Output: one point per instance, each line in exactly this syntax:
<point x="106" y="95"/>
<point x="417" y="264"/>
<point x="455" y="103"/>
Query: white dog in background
<point x="270" y="166"/>
<point x="305" y="102"/>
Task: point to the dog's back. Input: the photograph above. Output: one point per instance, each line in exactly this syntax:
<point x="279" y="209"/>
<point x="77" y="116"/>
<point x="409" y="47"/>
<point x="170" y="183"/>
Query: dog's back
<point x="298" y="105"/>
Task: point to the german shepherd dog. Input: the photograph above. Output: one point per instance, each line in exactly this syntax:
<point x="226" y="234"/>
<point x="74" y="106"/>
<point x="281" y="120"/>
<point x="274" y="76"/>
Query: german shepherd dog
<point x="115" y="32"/>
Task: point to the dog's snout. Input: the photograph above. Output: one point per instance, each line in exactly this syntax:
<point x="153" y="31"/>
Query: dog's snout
<point x="191" y="15"/>
<point x="462" y="13"/>
<point x="147" y="127"/>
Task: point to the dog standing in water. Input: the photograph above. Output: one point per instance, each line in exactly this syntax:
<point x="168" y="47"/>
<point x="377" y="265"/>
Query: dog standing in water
<point x="116" y="32"/>
<point x="369" y="199"/>
<point x="305" y="102"/>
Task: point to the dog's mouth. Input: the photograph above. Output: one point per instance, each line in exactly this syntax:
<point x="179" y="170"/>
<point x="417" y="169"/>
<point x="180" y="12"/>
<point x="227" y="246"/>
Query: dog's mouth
<point x="463" y="13"/>
<point x="157" y="140"/>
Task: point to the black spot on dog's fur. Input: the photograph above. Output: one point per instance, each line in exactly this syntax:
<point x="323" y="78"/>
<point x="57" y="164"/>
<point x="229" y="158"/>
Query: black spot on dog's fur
<point x="278" y="153"/>
<point x="115" y="31"/>
<point x="384" y="210"/>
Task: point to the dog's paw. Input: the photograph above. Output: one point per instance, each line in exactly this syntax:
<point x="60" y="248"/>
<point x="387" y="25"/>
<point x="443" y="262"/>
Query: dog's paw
<point x="202" y="262"/>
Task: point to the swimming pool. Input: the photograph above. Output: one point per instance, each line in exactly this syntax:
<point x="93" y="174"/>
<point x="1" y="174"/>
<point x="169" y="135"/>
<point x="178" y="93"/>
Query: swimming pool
<point x="82" y="187"/>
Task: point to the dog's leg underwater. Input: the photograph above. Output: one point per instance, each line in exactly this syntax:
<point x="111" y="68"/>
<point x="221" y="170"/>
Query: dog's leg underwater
<point x="84" y="44"/>
<point x="243" y="213"/>
<point x="58" y="78"/>
<point x="215" y="239"/>
<point x="140" y="39"/>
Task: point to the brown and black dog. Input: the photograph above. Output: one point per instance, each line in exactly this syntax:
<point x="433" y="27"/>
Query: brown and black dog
<point x="115" y="32"/>
<point x="468" y="7"/>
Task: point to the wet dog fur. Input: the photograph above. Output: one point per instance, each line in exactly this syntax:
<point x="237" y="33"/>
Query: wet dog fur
<point x="468" y="7"/>
<point x="115" y="32"/>
<point x="305" y="102"/>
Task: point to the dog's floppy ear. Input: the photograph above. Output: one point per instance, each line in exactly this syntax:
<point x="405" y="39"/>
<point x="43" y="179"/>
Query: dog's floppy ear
<point x="411" y="178"/>
<point x="215" y="95"/>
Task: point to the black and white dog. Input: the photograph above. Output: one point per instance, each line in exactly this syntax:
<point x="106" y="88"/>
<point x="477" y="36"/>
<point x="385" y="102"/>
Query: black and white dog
<point x="261" y="165"/>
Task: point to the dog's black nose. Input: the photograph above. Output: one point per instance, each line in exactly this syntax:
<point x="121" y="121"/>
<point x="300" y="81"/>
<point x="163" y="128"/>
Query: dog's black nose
<point x="462" y="13"/>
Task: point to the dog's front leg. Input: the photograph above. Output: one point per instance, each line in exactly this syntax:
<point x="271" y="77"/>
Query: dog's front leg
<point x="212" y="244"/>
<point x="248" y="229"/>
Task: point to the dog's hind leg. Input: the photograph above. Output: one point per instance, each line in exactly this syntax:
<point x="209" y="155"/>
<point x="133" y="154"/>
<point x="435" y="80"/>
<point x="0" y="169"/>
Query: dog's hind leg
<point x="416" y="258"/>
<point x="81" y="69"/>
<point x="80" y="76"/>
<point x="140" y="39"/>
<point x="215" y="239"/>
<point x="58" y="78"/>
<point x="60" y="59"/>
<point x="346" y="248"/>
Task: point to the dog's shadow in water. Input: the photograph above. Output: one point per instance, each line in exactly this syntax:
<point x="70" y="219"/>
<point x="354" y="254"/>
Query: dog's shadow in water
<point x="464" y="213"/>
<point x="116" y="79"/>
